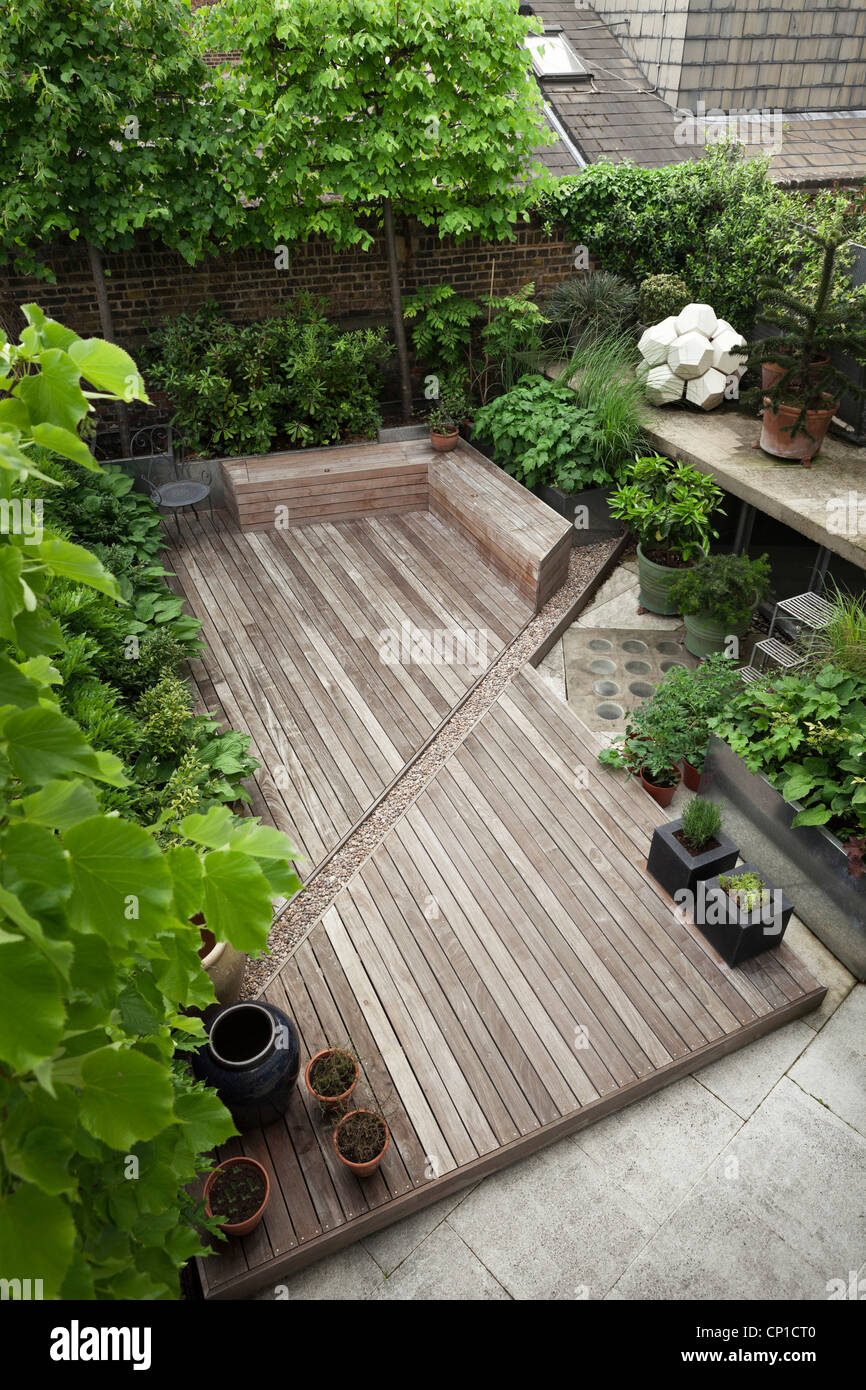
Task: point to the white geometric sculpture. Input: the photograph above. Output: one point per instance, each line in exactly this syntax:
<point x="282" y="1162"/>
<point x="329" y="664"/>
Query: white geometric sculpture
<point x="654" y="344"/>
<point x="697" y="318"/>
<point x="708" y="390"/>
<point x="728" y="351"/>
<point x="663" y="385"/>
<point x="690" y="355"/>
<point x="693" y="347"/>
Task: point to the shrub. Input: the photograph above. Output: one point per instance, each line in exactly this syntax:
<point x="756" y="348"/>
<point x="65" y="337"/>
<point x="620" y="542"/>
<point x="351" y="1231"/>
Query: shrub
<point x="598" y="302"/>
<point x="441" y="325"/>
<point x="702" y="821"/>
<point x="292" y="378"/>
<point x="542" y="436"/>
<point x="720" y="222"/>
<point x="726" y="586"/>
<point x="806" y="731"/>
<point x="660" y="296"/>
<point x="668" y="506"/>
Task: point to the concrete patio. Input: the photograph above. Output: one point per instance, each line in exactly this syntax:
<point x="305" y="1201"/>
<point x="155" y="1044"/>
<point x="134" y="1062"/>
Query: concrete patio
<point x="745" y="1180"/>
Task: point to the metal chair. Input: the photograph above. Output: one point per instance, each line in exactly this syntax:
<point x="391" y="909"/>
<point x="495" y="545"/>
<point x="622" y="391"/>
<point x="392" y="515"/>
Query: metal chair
<point x="185" y="491"/>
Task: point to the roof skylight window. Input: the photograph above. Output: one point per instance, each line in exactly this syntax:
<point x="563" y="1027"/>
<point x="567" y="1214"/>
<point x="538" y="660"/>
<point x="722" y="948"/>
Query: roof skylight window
<point x="553" y="56"/>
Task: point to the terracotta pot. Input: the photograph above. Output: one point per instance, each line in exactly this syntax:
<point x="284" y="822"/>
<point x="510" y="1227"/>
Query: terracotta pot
<point x="691" y="776"/>
<point x="238" y="1228"/>
<point x="771" y="372"/>
<point x="362" y="1170"/>
<point x="776" y="427"/>
<point x="328" y="1102"/>
<point x="443" y="442"/>
<point x="663" y="795"/>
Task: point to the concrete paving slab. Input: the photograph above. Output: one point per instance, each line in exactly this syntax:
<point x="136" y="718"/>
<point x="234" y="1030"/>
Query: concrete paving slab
<point x="657" y="1149"/>
<point x="349" y="1274"/>
<point x="714" y="1247"/>
<point x="825" y="967"/>
<point x="555" y="1226"/>
<point x="608" y="672"/>
<point x="396" y="1243"/>
<point x="621" y="611"/>
<point x="441" y="1268"/>
<point x="744" y="1078"/>
<point x="833" y="1067"/>
<point x="802" y="1171"/>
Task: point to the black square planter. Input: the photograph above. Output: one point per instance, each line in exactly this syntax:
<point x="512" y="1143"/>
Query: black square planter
<point x="736" y="934"/>
<point x="595" y="522"/>
<point x="671" y="864"/>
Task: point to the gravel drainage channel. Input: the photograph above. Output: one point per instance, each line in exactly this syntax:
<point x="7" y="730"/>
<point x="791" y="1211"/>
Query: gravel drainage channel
<point x="588" y="567"/>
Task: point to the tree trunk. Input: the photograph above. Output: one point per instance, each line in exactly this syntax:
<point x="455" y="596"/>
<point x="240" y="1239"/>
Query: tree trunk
<point x="97" y="270"/>
<point x="397" y="313"/>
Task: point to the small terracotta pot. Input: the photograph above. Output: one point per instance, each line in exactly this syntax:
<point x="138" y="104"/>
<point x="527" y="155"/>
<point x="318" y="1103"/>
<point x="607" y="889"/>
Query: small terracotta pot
<point x="663" y="795"/>
<point x="362" y="1170"/>
<point x="443" y="442"/>
<point x="691" y="776"/>
<point x="776" y="431"/>
<point x="238" y="1228"/>
<point x="328" y="1102"/>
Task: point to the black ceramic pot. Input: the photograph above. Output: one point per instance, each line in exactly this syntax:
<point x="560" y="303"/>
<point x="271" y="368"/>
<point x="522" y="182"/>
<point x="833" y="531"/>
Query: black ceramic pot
<point x="251" y="1058"/>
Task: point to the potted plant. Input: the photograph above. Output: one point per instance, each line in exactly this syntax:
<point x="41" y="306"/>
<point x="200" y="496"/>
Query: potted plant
<point x="236" y="1193"/>
<point x="444" y="417"/>
<point x="667" y="506"/>
<point x="717" y="598"/>
<point x="691" y="848"/>
<point x="802" y="388"/>
<point x="331" y="1076"/>
<point x="742" y="913"/>
<point x="360" y="1141"/>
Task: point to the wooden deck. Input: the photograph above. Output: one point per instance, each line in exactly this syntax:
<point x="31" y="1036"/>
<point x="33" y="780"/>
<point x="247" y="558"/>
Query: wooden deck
<point x="296" y="622"/>
<point x="507" y="973"/>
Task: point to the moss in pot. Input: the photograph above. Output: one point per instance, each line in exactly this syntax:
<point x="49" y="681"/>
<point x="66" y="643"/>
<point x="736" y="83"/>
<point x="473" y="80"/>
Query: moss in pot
<point x="717" y="598"/>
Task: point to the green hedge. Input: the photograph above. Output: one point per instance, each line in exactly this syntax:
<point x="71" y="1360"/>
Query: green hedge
<point x="719" y="222"/>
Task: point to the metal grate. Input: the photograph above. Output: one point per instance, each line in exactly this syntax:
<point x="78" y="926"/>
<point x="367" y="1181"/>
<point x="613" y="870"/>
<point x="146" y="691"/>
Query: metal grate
<point x="749" y="673"/>
<point x="777" y="653"/>
<point x="810" y="609"/>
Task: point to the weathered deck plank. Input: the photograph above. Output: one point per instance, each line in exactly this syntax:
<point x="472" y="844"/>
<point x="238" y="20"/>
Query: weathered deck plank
<point x="507" y="972"/>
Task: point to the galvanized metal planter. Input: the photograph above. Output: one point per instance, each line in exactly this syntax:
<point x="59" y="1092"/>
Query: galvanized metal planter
<point x="807" y="863"/>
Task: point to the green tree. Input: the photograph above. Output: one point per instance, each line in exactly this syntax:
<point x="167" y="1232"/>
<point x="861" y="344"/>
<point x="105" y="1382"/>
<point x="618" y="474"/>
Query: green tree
<point x="110" y="125"/>
<point x="103" y="1129"/>
<point x="364" y="111"/>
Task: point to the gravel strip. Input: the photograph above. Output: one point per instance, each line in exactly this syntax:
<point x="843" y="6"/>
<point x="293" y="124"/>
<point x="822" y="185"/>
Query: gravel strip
<point x="295" y="921"/>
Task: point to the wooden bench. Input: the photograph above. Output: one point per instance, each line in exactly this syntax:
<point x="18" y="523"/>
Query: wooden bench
<point x="324" y="485"/>
<point x="510" y="529"/>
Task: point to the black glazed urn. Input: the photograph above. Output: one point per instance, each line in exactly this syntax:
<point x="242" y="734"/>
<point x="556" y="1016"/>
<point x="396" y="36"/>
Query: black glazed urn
<point x="251" y="1058"/>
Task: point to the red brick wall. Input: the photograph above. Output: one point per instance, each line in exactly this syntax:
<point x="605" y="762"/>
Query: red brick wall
<point x="150" y="282"/>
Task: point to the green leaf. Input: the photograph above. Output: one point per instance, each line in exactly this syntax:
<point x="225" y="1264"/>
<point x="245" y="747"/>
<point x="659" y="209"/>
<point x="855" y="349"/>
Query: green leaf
<point x="15" y="688"/>
<point x="76" y="563"/>
<point x="122" y="885"/>
<point x="237" y="900"/>
<point x="814" y="815"/>
<point x="126" y="1098"/>
<point x="42" y="743"/>
<point x="60" y="805"/>
<point x="37" y="1238"/>
<point x="53" y="395"/>
<point x="188" y="879"/>
<point x="108" y="368"/>
<point x="11" y="590"/>
<point x="65" y="443"/>
<point x="31" y="1005"/>
<point x="205" y="1119"/>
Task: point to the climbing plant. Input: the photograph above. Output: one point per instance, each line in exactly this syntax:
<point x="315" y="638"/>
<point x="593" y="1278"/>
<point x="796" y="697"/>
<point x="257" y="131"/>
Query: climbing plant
<point x="103" y="1129"/>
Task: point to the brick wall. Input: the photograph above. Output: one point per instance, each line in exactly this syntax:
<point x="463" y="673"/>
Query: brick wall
<point x="150" y="282"/>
